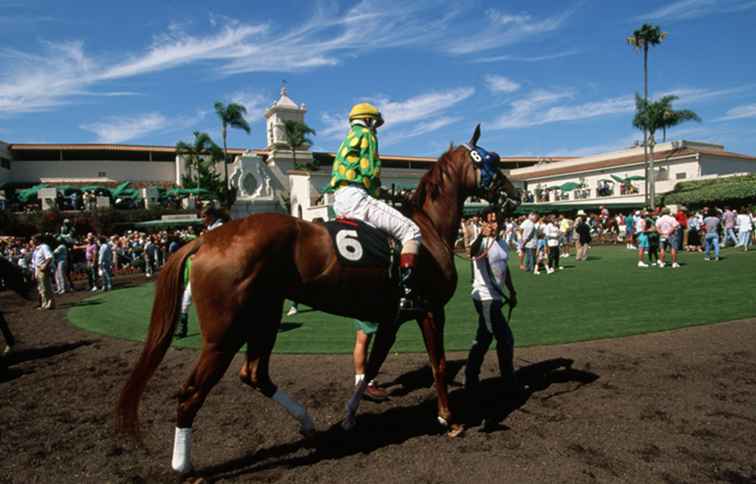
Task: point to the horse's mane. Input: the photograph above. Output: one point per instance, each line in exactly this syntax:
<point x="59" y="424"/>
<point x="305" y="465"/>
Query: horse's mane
<point x="432" y="182"/>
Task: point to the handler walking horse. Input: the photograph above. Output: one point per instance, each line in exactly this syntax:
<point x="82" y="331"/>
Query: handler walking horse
<point x="17" y="280"/>
<point x="243" y="271"/>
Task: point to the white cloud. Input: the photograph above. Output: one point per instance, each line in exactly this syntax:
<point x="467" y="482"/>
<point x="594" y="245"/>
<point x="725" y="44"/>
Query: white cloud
<point x="120" y="129"/>
<point x="36" y="82"/>
<point x="422" y="107"/>
<point x="505" y="29"/>
<point x="538" y="107"/>
<point x="687" y="9"/>
<point x="395" y="137"/>
<point x="615" y="145"/>
<point x="739" y="112"/>
<point x="514" y="58"/>
<point x="496" y="83"/>
<point x="406" y="118"/>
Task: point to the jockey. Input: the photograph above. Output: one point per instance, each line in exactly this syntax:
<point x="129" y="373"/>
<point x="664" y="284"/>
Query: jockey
<point x="212" y="219"/>
<point x="356" y="180"/>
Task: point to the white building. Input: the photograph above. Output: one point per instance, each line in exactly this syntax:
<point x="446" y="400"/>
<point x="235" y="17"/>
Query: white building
<point x="607" y="179"/>
<point x="618" y="178"/>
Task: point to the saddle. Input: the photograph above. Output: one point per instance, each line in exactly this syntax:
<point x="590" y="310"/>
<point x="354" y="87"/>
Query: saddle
<point x="360" y="245"/>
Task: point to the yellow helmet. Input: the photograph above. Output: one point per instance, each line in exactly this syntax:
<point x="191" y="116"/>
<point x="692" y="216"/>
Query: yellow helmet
<point x="366" y="111"/>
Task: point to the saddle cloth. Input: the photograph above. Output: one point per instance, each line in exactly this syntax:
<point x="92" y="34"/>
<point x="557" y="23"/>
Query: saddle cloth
<point x="359" y="244"/>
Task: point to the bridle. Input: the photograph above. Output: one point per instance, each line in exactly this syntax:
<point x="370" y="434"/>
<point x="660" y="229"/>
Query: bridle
<point x="489" y="179"/>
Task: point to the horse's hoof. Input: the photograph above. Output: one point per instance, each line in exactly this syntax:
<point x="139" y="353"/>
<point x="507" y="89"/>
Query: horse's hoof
<point x="183" y="469"/>
<point x="348" y="423"/>
<point x="456" y="431"/>
<point x="307" y="432"/>
<point x="443" y="421"/>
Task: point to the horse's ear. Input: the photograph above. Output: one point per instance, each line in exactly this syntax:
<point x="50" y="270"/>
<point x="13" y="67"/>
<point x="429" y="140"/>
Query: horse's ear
<point x="475" y="136"/>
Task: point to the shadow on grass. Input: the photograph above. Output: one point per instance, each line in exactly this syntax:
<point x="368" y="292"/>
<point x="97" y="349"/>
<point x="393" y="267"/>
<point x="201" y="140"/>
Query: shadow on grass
<point x="399" y="424"/>
<point x="289" y="327"/>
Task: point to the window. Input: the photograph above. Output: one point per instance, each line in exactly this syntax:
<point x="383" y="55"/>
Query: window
<point x="681" y="176"/>
<point x="5" y="163"/>
<point x="101" y="174"/>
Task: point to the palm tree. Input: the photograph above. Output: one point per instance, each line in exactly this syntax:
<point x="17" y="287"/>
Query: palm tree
<point x="296" y="133"/>
<point x="195" y="152"/>
<point x="672" y="118"/>
<point x="652" y="116"/>
<point x="641" y="39"/>
<point x="231" y="115"/>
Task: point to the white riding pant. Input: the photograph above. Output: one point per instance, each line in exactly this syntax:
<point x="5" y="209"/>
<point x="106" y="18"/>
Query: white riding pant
<point x="354" y="202"/>
<point x="186" y="299"/>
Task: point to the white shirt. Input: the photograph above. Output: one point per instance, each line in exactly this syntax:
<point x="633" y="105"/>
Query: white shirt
<point x="485" y="284"/>
<point x="41" y="254"/>
<point x="551" y="232"/>
<point x="744" y="222"/>
<point x="528" y="230"/>
<point x="215" y="224"/>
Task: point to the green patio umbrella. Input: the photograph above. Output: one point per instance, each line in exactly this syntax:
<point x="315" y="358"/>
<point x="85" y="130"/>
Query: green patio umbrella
<point x="569" y="186"/>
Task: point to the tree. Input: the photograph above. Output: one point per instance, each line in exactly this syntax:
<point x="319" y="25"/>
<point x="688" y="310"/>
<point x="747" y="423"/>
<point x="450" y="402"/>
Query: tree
<point x="296" y="133"/>
<point x="200" y="156"/>
<point x="641" y="39"/>
<point x="653" y="116"/>
<point x="672" y="118"/>
<point x="231" y="115"/>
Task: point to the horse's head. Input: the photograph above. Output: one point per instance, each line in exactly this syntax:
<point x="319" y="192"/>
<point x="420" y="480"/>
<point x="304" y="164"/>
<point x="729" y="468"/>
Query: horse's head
<point x="490" y="183"/>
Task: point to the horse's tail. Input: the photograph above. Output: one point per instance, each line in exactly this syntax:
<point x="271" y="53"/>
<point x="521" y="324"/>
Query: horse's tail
<point x="165" y="309"/>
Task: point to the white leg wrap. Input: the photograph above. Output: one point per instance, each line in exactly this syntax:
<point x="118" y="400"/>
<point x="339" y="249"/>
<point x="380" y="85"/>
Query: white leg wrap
<point x="295" y="409"/>
<point x="182" y="451"/>
<point x="353" y="404"/>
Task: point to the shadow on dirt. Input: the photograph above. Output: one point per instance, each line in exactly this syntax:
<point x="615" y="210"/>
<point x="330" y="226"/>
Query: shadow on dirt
<point x="491" y="405"/>
<point x="30" y="354"/>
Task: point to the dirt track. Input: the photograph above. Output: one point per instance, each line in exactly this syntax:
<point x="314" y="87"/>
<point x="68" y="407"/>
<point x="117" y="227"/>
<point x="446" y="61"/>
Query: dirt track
<point x="669" y="407"/>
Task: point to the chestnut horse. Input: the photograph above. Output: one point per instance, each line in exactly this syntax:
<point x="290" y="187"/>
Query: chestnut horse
<point x="243" y="271"/>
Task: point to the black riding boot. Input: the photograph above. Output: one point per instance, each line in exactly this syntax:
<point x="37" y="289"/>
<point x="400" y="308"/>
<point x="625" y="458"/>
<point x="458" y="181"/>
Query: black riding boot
<point x="183" y="326"/>
<point x="408" y="302"/>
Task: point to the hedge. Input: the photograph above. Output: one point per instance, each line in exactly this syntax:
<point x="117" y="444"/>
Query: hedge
<point x="736" y="190"/>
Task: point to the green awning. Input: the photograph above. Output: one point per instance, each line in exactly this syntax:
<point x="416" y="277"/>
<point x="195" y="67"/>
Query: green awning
<point x="569" y="186"/>
<point x="187" y="191"/>
<point x="635" y="177"/>
<point x="120" y="189"/>
<point x="565" y="208"/>
<point x="168" y="223"/>
<point x="29" y="194"/>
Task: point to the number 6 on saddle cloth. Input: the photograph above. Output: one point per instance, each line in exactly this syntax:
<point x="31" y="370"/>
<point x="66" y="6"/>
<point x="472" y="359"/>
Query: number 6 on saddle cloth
<point x="360" y="245"/>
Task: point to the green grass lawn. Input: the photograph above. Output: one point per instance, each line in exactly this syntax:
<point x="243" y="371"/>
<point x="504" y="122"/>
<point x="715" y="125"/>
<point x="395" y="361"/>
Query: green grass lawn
<point x="608" y="296"/>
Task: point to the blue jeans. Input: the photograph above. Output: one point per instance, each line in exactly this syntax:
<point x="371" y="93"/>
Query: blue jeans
<point x="745" y="239"/>
<point x="107" y="277"/>
<point x="491" y="325"/>
<point x="729" y="234"/>
<point x="529" y="259"/>
<point x="709" y="240"/>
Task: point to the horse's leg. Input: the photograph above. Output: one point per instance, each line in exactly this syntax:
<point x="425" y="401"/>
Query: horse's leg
<point x="384" y="340"/>
<point x="212" y="364"/>
<point x="433" y="334"/>
<point x="254" y="372"/>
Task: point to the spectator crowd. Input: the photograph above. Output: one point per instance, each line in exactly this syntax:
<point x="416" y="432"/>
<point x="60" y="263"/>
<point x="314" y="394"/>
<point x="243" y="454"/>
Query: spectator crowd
<point x="542" y="241"/>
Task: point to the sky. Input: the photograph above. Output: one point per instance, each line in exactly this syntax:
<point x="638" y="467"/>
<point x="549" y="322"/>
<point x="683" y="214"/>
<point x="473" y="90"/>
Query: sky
<point x="548" y="78"/>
